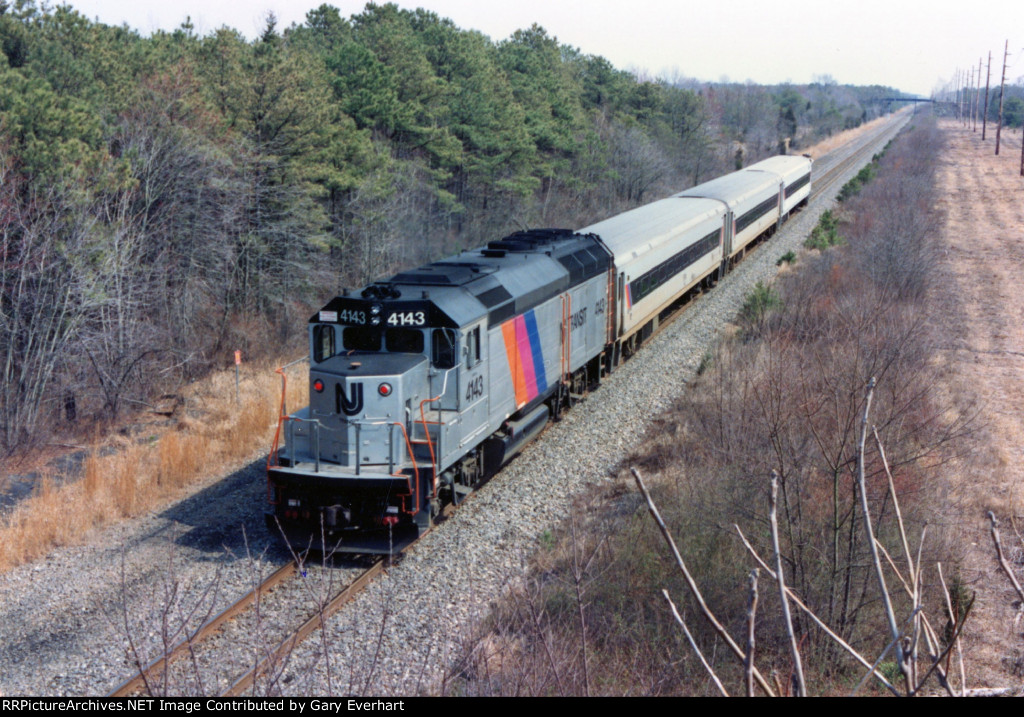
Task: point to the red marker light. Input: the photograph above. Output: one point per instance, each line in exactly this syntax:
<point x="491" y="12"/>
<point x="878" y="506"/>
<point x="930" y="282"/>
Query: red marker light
<point x="318" y="385"/>
<point x="384" y="389"/>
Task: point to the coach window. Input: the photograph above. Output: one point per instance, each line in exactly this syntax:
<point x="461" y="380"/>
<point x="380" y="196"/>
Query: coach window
<point x="442" y="348"/>
<point x="323" y="342"/>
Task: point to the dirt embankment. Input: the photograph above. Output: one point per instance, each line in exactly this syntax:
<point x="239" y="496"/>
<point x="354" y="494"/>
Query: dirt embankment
<point x="982" y="301"/>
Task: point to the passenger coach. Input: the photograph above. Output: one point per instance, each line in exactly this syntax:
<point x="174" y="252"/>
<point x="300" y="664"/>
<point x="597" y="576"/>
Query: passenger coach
<point x="424" y="384"/>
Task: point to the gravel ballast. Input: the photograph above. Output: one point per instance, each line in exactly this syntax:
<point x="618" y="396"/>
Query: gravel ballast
<point x="64" y="621"/>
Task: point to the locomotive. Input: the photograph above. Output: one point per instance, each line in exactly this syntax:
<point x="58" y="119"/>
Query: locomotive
<point x="425" y="384"/>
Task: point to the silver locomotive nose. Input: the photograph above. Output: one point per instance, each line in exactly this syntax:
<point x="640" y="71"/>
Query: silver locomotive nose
<point x="364" y="414"/>
<point x="350" y="473"/>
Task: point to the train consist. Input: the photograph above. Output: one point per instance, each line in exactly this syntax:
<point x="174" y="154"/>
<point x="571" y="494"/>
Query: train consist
<point x="423" y="385"/>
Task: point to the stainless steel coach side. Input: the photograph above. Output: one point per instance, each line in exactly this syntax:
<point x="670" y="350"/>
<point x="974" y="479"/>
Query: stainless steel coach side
<point x="661" y="250"/>
<point x="752" y="201"/>
<point x="794" y="177"/>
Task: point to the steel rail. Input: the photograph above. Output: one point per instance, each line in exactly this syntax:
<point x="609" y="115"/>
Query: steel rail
<point x="285" y="647"/>
<point x="141" y="680"/>
<point x="835" y="172"/>
<point x="347" y="594"/>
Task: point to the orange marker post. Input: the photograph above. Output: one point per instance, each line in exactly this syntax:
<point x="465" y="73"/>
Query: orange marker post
<point x="238" y="362"/>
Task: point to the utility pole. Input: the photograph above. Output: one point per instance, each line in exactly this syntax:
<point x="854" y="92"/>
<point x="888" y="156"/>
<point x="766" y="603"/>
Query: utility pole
<point x="956" y="92"/>
<point x="1002" y="85"/>
<point x="970" y="91"/>
<point x="977" y="97"/>
<point x="963" y="97"/>
<point x="1022" y="152"/>
<point x="960" y="94"/>
<point x="984" y="114"/>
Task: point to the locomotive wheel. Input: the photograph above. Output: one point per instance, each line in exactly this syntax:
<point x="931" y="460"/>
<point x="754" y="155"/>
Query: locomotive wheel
<point x="558" y="404"/>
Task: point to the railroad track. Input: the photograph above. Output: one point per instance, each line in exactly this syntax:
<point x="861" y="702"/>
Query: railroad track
<point x="141" y="681"/>
<point x="153" y="678"/>
<point x="275" y="657"/>
<point x="821" y="186"/>
<point x="867" y="146"/>
<point x="158" y="677"/>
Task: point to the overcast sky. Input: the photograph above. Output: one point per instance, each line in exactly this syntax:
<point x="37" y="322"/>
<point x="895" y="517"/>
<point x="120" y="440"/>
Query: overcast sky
<point x="909" y="44"/>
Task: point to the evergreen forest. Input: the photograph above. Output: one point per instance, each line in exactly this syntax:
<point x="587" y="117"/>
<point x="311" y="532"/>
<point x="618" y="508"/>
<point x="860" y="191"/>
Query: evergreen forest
<point x="167" y="199"/>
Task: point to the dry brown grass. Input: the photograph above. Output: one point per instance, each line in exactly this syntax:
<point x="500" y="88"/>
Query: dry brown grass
<point x="215" y="436"/>
<point x="816" y="151"/>
<point x="981" y="261"/>
<point x="786" y="395"/>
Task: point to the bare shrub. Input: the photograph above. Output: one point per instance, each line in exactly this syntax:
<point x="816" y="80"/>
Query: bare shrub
<point x="789" y="398"/>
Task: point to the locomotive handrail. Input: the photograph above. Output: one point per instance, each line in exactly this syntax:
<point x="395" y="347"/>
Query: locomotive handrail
<point x="292" y="420"/>
<point x="281" y="416"/>
<point x="430" y="444"/>
<point x="561" y="357"/>
<point x="275" y="446"/>
<point x="568" y="335"/>
<point x="412" y="487"/>
<point x="415" y="469"/>
<point x="568" y="338"/>
<point x="609" y="309"/>
<point x="412" y="459"/>
<point x="291" y="437"/>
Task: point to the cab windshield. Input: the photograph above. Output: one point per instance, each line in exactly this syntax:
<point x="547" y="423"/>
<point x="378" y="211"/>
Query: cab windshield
<point x="376" y="339"/>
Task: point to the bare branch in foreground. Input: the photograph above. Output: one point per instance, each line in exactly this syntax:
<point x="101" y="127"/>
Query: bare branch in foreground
<point x="874" y="668"/>
<point x="817" y="621"/>
<point x="954" y="621"/>
<point x="921" y="624"/>
<point x="895" y="504"/>
<point x="693" y="644"/>
<point x="988" y="692"/>
<point x="1002" y="559"/>
<point x="748" y="667"/>
<point x="869" y="530"/>
<point x="794" y="651"/>
<point x="937" y="661"/>
<point x="694" y="590"/>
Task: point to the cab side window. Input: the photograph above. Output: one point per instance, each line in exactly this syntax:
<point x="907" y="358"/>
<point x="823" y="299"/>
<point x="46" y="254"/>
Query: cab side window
<point x="473" y="348"/>
<point x="442" y="348"/>
<point x="323" y="342"/>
